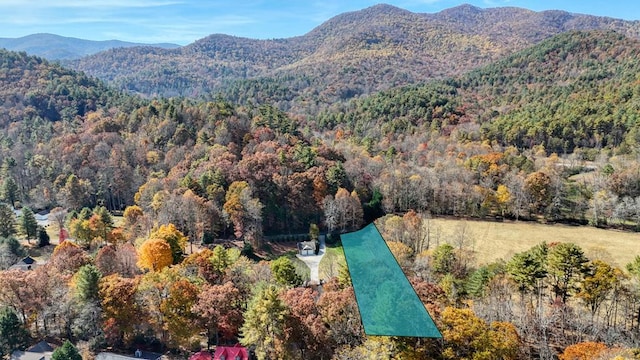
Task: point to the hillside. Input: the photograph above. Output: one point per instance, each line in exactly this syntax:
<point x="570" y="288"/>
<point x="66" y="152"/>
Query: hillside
<point x="350" y="55"/>
<point x="55" y="47"/>
<point x="574" y="90"/>
<point x="32" y="89"/>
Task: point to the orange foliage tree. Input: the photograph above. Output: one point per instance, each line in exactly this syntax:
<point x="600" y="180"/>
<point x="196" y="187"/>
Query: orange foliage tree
<point x="583" y="351"/>
<point x="155" y="254"/>
<point x="174" y="238"/>
<point x="68" y="257"/>
<point x="219" y="309"/>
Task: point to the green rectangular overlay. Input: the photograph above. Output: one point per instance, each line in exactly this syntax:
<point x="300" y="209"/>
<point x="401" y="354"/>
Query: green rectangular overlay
<point x="389" y="306"/>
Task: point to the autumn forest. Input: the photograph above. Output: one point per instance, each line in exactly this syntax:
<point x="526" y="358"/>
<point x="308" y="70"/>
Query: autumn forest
<point x="176" y="190"/>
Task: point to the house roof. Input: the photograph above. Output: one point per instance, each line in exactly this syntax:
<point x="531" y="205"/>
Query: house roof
<point x="28" y="260"/>
<point x="143" y="355"/>
<point x="41" y="347"/>
<point x="27" y="263"/>
<point x="231" y="353"/>
<point x="39" y="351"/>
<point x="307" y="245"/>
<point x="28" y="355"/>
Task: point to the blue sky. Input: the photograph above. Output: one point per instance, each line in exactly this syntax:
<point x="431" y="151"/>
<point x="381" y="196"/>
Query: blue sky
<point x="184" y="21"/>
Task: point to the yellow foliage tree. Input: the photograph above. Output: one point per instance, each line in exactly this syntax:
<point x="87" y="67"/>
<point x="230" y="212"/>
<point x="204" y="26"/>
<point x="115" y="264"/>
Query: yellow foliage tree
<point x="394" y="228"/>
<point x="401" y="252"/>
<point x="65" y="244"/>
<point x="133" y="222"/>
<point x="468" y="336"/>
<point x="174" y="238"/>
<point x="503" y="197"/>
<point x="177" y="311"/>
<point x="155" y="254"/>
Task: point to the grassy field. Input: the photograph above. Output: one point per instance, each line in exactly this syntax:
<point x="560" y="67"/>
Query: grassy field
<point x="492" y="241"/>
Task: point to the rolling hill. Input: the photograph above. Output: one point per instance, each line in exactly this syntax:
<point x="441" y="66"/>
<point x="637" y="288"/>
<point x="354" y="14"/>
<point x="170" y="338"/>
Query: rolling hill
<point x="55" y="47"/>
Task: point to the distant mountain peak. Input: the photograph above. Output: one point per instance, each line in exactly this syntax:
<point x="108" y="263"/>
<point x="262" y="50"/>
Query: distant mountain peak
<point x="56" y="47"/>
<point x="465" y="8"/>
<point x="460" y="10"/>
<point x="382" y="7"/>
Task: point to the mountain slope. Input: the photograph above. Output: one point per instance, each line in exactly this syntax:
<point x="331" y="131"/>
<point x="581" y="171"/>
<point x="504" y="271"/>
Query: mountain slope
<point x="31" y="88"/>
<point x="54" y="47"/>
<point x="350" y="55"/>
<point x="577" y="89"/>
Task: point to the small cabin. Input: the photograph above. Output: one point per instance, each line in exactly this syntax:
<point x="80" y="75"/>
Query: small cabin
<point x="306" y="248"/>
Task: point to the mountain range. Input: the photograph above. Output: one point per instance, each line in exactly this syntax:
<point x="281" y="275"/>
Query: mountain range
<point x="55" y="47"/>
<point x="350" y="55"/>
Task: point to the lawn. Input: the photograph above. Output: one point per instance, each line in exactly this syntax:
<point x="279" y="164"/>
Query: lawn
<point x="330" y="263"/>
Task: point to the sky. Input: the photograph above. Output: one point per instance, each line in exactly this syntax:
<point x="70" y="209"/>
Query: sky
<point x="184" y="21"/>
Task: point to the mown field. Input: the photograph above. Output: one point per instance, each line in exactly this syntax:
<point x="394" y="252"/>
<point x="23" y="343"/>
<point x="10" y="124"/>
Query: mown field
<point x="492" y="241"/>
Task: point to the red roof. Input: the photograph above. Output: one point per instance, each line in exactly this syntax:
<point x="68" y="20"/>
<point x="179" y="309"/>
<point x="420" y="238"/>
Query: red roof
<point x="201" y="355"/>
<point x="236" y="352"/>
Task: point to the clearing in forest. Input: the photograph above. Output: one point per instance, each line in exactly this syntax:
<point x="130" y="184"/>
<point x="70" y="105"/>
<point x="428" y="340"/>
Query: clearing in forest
<point x="492" y="241"/>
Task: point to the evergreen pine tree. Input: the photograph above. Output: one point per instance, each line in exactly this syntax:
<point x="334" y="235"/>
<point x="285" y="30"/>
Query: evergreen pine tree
<point x="28" y="224"/>
<point x="66" y="352"/>
<point x="7" y="221"/>
<point x="13" y="335"/>
<point x="43" y="237"/>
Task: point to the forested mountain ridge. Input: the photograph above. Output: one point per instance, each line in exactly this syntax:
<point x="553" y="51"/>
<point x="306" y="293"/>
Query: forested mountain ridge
<point x="351" y="54"/>
<point x="577" y="89"/>
<point x="55" y="47"/>
<point x="69" y="139"/>
<point x="31" y="88"/>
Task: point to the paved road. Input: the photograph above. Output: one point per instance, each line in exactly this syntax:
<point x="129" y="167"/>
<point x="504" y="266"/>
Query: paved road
<point x="313" y="261"/>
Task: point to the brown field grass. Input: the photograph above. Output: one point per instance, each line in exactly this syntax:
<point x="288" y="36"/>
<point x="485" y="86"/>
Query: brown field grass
<point x="492" y="241"/>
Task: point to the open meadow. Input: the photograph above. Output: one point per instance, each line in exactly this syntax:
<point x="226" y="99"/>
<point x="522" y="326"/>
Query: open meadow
<point x="492" y="241"/>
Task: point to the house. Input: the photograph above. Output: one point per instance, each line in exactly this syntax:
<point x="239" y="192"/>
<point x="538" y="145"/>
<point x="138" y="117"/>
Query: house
<point x="39" y="351"/>
<point x="236" y="352"/>
<point x="307" y="248"/>
<point x="42" y="217"/>
<point x="25" y="264"/>
<point x="138" y="354"/>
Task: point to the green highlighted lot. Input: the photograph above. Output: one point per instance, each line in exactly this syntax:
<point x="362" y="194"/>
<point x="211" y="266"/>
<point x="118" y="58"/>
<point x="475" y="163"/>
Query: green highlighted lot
<point x="388" y="305"/>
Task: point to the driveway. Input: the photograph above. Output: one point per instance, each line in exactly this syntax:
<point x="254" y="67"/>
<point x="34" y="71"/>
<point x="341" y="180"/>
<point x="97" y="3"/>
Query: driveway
<point x="313" y="261"/>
